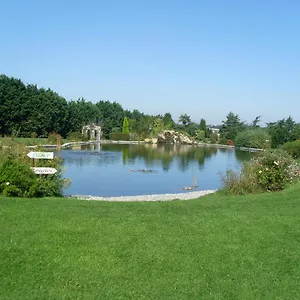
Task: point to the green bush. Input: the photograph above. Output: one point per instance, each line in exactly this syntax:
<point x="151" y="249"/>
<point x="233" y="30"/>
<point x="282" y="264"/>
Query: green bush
<point x="76" y="137"/>
<point x="120" y="136"/>
<point x="253" y="138"/>
<point x="272" y="170"/>
<point x="17" y="178"/>
<point x="292" y="148"/>
<point x="55" y="138"/>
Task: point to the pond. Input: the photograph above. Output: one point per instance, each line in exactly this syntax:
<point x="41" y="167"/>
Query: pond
<point x="127" y="170"/>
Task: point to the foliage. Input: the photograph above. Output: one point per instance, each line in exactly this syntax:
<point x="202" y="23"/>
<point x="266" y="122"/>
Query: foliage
<point x="200" y="135"/>
<point x="255" y="122"/>
<point x="157" y="126"/>
<point x="283" y="131"/>
<point x="76" y="137"/>
<point x="253" y="138"/>
<point x="168" y="121"/>
<point x="202" y="125"/>
<point x="17" y="178"/>
<point x="191" y="129"/>
<point x="213" y="138"/>
<point x="273" y="170"/>
<point x="29" y="111"/>
<point x="292" y="148"/>
<point x="184" y="119"/>
<point x="26" y="109"/>
<point x="55" y="138"/>
<point x="115" y="136"/>
<point x="125" y="126"/>
<point x="231" y="127"/>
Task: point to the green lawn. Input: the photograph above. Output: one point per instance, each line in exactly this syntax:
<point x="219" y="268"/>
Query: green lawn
<point x="216" y="247"/>
<point x="32" y="141"/>
<point x="28" y="141"/>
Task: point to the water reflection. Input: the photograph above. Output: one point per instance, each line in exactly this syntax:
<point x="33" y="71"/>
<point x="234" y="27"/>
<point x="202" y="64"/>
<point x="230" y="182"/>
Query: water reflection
<point x="183" y="155"/>
<point x="105" y="169"/>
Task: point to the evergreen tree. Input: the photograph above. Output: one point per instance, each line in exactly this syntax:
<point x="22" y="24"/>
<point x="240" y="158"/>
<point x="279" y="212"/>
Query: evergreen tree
<point x="125" y="126"/>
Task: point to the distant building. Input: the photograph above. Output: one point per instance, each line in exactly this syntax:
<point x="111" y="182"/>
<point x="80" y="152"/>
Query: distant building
<point x="214" y="130"/>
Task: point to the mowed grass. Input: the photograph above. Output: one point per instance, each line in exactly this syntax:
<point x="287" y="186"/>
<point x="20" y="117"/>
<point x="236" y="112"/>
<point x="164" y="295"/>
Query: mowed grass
<point x="30" y="141"/>
<point x="216" y="247"/>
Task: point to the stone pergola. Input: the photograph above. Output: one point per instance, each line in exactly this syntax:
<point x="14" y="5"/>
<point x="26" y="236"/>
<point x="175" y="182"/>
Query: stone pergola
<point x="92" y="131"/>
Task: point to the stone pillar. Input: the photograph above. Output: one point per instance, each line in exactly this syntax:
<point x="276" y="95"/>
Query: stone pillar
<point x="99" y="134"/>
<point x="92" y="135"/>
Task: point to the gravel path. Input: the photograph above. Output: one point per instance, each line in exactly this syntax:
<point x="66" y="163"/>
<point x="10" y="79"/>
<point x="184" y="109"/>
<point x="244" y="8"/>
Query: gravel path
<point x="156" y="197"/>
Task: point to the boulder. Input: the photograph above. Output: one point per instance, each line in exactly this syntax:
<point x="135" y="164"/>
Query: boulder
<point x="151" y="141"/>
<point x="173" y="137"/>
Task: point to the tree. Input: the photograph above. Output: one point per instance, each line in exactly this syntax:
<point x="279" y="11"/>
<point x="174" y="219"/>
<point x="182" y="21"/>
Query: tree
<point x="231" y="127"/>
<point x="168" y="121"/>
<point x="125" y="126"/>
<point x="192" y="129"/>
<point x="255" y="122"/>
<point x="184" y="119"/>
<point x="202" y="125"/>
<point x="282" y="131"/>
<point x="111" y="114"/>
<point x="253" y="138"/>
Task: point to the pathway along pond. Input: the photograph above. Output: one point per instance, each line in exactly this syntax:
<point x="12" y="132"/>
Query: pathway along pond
<point x="128" y="170"/>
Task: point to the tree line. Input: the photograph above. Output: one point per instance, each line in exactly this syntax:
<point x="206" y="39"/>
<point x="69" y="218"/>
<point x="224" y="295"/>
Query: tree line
<point x="27" y="111"/>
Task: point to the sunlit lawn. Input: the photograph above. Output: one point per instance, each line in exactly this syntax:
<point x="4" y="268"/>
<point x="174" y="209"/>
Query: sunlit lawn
<point x="31" y="141"/>
<point x="215" y="247"/>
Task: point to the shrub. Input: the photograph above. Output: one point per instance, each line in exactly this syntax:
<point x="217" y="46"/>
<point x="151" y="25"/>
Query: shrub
<point x="292" y="148"/>
<point x="18" y="180"/>
<point x="253" y="138"/>
<point x="55" y="138"/>
<point x="76" y="137"/>
<point x="272" y="170"/>
<point x="16" y="177"/>
<point x="120" y="137"/>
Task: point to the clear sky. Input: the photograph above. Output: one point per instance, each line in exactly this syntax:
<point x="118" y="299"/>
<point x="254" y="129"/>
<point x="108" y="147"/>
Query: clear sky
<point x="203" y="58"/>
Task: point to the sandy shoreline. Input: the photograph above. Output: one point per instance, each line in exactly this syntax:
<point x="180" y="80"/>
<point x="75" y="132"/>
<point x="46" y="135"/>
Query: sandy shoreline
<point x="145" y="198"/>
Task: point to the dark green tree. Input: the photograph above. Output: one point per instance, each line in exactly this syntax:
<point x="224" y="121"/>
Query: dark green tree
<point x="231" y="127"/>
<point x="184" y="119"/>
<point x="255" y="122"/>
<point x="168" y="121"/>
<point x="282" y="131"/>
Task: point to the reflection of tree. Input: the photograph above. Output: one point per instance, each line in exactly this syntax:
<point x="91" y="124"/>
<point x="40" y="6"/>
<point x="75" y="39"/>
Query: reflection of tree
<point x="125" y="153"/>
<point x="243" y="156"/>
<point x="164" y="154"/>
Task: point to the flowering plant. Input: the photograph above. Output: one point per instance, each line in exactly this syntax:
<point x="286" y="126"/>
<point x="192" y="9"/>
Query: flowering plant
<point x="273" y="170"/>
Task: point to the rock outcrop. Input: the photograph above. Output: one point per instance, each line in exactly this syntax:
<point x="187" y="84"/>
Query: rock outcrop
<point x="151" y="141"/>
<point x="173" y="137"/>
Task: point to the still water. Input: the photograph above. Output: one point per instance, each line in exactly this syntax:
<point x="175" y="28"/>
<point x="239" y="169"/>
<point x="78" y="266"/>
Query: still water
<point x="127" y="170"/>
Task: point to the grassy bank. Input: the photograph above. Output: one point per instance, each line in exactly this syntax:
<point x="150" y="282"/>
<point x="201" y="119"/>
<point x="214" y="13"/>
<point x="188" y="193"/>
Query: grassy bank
<point x="216" y="247"/>
<point x="30" y="141"/>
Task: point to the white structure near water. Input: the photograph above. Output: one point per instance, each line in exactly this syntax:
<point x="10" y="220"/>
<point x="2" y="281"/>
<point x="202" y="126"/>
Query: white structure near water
<point x="93" y="132"/>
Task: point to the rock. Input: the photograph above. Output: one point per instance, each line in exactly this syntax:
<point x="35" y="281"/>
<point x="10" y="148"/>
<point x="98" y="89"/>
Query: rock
<point x="151" y="141"/>
<point x="173" y="137"/>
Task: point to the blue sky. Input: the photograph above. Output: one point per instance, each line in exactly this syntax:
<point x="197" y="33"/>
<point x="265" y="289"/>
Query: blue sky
<point x="204" y="58"/>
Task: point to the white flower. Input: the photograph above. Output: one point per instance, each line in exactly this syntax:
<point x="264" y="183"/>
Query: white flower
<point x="267" y="169"/>
<point x="276" y="163"/>
<point x="260" y="171"/>
<point x="7" y="183"/>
